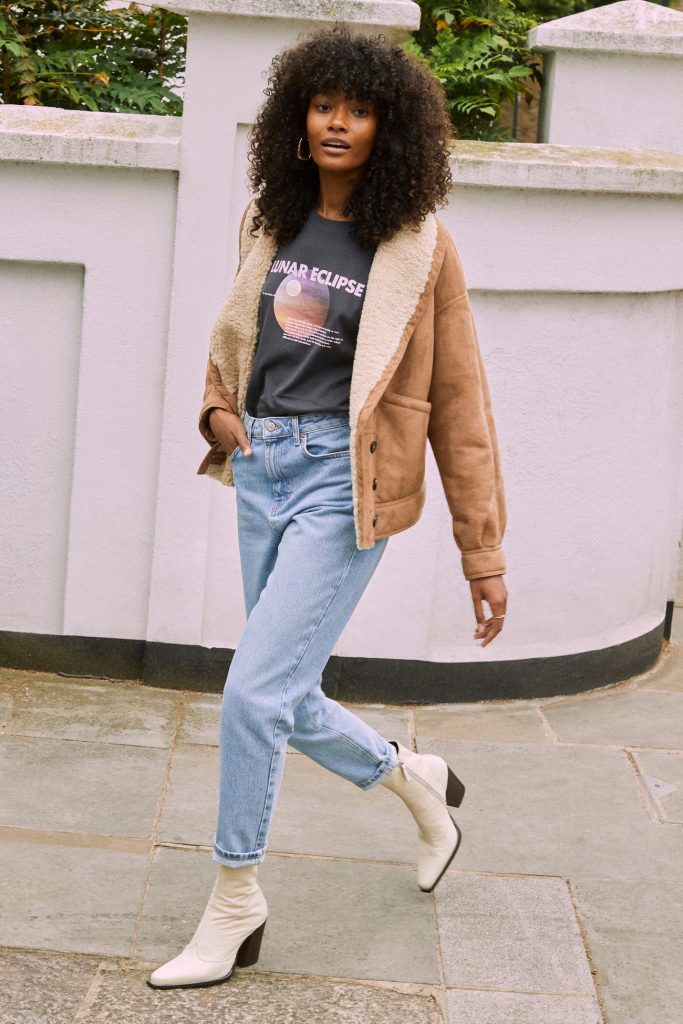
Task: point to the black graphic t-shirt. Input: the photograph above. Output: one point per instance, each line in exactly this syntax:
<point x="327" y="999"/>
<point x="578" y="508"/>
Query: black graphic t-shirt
<point x="310" y="308"/>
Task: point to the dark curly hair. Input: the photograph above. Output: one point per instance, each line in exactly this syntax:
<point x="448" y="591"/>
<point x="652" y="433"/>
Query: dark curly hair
<point x="408" y="172"/>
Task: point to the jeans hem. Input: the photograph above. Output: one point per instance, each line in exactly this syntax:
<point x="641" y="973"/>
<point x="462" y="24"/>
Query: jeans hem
<point x="237" y="860"/>
<point x="385" y="768"/>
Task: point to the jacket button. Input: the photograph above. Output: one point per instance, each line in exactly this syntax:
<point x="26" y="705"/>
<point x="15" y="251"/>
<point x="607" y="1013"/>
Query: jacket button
<point x="373" y="445"/>
<point x="374" y="484"/>
<point x="374" y="521"/>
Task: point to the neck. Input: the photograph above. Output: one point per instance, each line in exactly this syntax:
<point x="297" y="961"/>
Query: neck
<point x="334" y="193"/>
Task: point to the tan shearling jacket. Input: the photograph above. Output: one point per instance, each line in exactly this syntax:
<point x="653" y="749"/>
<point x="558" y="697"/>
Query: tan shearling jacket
<point x="417" y="375"/>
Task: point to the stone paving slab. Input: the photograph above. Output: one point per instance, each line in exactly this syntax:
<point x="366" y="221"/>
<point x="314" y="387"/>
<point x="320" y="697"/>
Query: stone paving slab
<point x="466" y="1006"/>
<point x="107" y="713"/>
<point x="556" y="810"/>
<point x="255" y="998"/>
<point x="5" y="709"/>
<point x="43" y="986"/>
<point x="70" y="786"/>
<point x="200" y="719"/>
<point x="348" y="919"/>
<point x="668" y="672"/>
<point x="78" y="899"/>
<point x="631" y="718"/>
<point x="512" y="933"/>
<point x="498" y="723"/>
<point x="202" y="714"/>
<point x="191" y="800"/>
<point x="319" y="813"/>
<point x="329" y="918"/>
<point x="178" y="888"/>
<point x="391" y="723"/>
<point x="635" y="937"/>
<point x="677" y="628"/>
<point x="346" y="913"/>
<point x="663" y="775"/>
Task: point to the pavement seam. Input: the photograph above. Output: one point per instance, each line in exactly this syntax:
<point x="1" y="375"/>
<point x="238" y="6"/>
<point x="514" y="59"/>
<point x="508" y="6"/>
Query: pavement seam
<point x="442" y="997"/>
<point x="412" y="730"/>
<point x="90" y="996"/>
<point x="587" y="948"/>
<point x="547" y="727"/>
<point x="85" y="742"/>
<point x="654" y="810"/>
<point x="562" y="994"/>
<point x="166" y="785"/>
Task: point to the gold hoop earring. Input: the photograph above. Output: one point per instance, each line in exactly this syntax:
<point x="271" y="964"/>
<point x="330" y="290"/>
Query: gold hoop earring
<point x="298" y="150"/>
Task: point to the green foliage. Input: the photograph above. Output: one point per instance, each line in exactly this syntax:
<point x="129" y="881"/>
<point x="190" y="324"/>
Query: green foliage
<point x="478" y="50"/>
<point x="79" y="55"/>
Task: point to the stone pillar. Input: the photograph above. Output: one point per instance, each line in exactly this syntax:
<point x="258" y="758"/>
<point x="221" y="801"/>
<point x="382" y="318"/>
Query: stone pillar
<point x="614" y="77"/>
<point x="230" y="45"/>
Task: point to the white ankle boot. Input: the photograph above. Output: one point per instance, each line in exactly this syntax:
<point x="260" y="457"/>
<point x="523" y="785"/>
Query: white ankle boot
<point x="427" y="786"/>
<point x="228" y="935"/>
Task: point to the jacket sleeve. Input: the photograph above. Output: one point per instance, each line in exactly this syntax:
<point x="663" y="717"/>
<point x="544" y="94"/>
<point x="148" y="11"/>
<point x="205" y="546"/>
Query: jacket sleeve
<point x="216" y="395"/>
<point x="461" y="429"/>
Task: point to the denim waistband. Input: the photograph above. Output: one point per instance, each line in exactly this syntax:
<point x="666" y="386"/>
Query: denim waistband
<point x="268" y="427"/>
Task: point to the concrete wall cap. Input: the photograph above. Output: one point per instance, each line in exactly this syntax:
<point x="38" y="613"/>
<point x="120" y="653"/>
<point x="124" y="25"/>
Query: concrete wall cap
<point x="392" y="13"/>
<point x="631" y="26"/>
<point x="565" y="168"/>
<point x="53" y="135"/>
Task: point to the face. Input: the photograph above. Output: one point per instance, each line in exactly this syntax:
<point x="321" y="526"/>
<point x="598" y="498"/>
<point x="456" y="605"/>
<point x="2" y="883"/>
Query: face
<point x="351" y="121"/>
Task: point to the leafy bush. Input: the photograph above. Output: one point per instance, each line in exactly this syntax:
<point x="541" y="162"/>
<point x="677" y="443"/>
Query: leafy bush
<point x="79" y="55"/>
<point x="478" y="50"/>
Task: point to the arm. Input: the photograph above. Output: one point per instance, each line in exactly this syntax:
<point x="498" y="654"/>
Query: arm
<point x="216" y="396"/>
<point x="462" y="432"/>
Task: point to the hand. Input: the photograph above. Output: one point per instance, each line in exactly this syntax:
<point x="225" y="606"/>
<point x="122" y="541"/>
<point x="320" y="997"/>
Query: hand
<point x="492" y="590"/>
<point x="228" y="428"/>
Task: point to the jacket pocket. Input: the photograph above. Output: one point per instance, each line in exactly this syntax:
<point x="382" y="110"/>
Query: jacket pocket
<point x="401" y="433"/>
<point x="392" y="398"/>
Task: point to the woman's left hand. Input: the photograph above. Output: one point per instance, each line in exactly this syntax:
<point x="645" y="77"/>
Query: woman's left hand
<point x="492" y="590"/>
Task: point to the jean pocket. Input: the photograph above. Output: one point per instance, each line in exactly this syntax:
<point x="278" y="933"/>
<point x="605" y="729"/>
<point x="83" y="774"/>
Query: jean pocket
<point x="326" y="444"/>
<point x="233" y="453"/>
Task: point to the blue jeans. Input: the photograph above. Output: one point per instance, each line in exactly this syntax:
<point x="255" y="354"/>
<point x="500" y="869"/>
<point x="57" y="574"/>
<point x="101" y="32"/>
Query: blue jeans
<point x="302" y="577"/>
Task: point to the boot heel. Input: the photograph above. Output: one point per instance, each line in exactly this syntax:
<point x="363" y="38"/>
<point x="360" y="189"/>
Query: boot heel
<point x="248" y="953"/>
<point x="455" y="790"/>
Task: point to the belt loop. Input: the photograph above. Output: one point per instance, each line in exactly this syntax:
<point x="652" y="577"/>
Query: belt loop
<point x="295" y="429"/>
<point x="249" y="425"/>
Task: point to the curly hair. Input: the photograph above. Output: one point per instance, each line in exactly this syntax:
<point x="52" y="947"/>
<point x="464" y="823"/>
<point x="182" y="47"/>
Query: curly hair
<point x="407" y="174"/>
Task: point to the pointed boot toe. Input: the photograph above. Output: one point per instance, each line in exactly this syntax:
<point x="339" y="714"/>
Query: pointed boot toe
<point x="229" y="934"/>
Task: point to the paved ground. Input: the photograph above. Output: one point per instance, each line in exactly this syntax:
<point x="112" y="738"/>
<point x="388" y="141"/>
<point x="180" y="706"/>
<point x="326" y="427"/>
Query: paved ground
<point x="563" y="906"/>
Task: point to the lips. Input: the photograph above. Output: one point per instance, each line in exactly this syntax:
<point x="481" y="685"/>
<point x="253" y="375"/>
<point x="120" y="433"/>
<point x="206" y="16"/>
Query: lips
<point x="334" y="144"/>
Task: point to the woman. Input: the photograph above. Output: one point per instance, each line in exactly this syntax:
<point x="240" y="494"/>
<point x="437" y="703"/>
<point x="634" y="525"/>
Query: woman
<point x="346" y="342"/>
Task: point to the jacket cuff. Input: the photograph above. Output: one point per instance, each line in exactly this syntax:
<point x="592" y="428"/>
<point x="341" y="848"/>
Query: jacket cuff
<point x="485" y="562"/>
<point x="214" y="400"/>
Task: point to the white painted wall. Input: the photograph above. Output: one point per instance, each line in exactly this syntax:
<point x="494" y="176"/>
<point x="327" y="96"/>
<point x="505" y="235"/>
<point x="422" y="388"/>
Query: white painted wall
<point x="614" y="77"/>
<point x="117" y="246"/>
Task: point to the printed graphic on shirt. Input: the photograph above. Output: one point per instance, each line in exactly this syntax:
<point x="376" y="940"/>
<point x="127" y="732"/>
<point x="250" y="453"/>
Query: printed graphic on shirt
<point x="309" y="316"/>
<point x="302" y="301"/>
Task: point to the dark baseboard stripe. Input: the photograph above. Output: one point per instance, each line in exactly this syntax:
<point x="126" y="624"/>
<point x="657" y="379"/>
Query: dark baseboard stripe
<point x="668" y="619"/>
<point x="381" y="680"/>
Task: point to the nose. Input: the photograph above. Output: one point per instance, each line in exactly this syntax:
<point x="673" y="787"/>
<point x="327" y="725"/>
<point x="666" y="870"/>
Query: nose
<point x="337" y="122"/>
